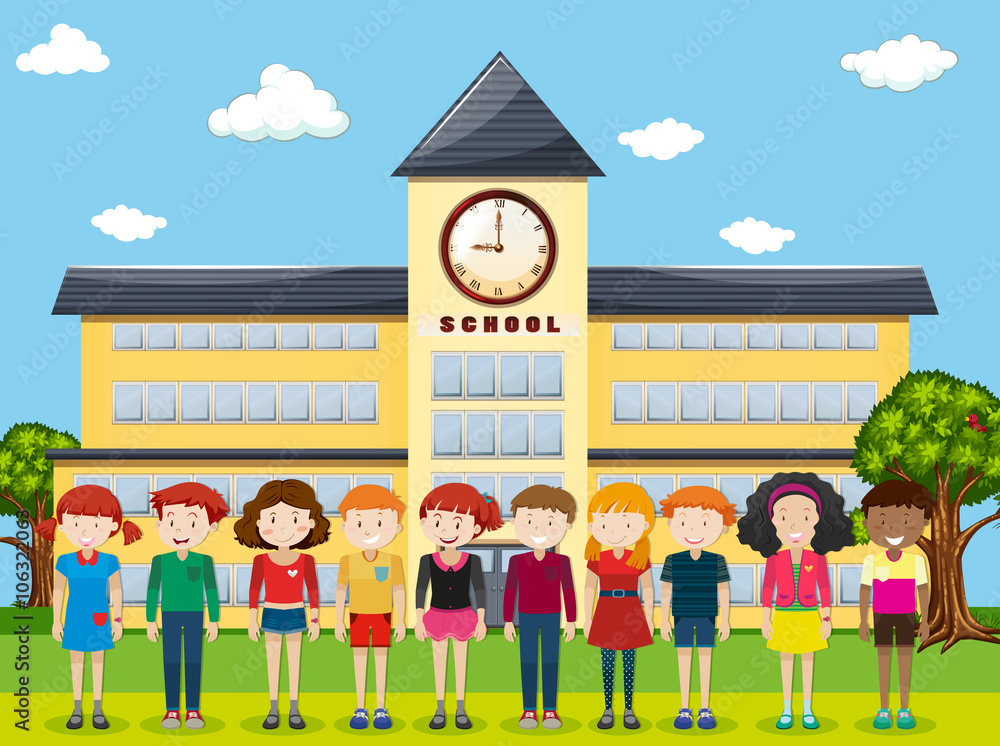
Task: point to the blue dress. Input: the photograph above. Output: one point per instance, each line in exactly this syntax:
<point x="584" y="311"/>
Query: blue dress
<point x="88" y="623"/>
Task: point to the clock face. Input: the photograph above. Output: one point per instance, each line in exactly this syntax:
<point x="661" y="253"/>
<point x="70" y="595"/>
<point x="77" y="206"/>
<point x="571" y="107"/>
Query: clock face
<point x="498" y="247"/>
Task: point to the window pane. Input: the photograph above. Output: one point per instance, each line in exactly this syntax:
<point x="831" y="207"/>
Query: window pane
<point x="661" y="336"/>
<point x="696" y="480"/>
<point x="195" y="402"/>
<point x="221" y="484"/>
<point x="128" y="402"/>
<point x="262" y="402"/>
<point x="81" y="479"/>
<point x="447" y="433"/>
<point x="331" y="489"/>
<point x="795" y="402"/>
<point x="261" y="337"/>
<point x="694" y="402"/>
<point x="326" y="582"/>
<point x="439" y="479"/>
<point x="551" y="480"/>
<point x="603" y="480"/>
<point x="243" y="573"/>
<point x="860" y="401"/>
<point x="694" y="336"/>
<point x="795" y="336"/>
<point x="224" y="584"/>
<point x="853" y="490"/>
<point x="506" y="555"/>
<point x="481" y="434"/>
<point x="486" y="484"/>
<point x="161" y="337"/>
<point x="161" y="402"/>
<point x="195" y="337"/>
<point x="362" y="336"/>
<point x="246" y="489"/>
<point x="329" y="402"/>
<point x="447" y="375"/>
<point x="727" y="336"/>
<point x="736" y="489"/>
<point x="228" y="402"/>
<point x="229" y="336"/>
<point x="626" y="336"/>
<point x="828" y="402"/>
<point x="382" y="480"/>
<point x="328" y="336"/>
<point x="133" y="494"/>
<point x="128" y="336"/>
<point x="830" y="479"/>
<point x="480" y="375"/>
<point x="135" y="580"/>
<point x="761" y="402"/>
<point x="728" y="402"/>
<point x="162" y="481"/>
<point x="486" y="558"/>
<point x="513" y="375"/>
<point x="548" y="374"/>
<point x="850" y="585"/>
<point x="627" y="402"/>
<point x="513" y="434"/>
<point x="510" y="486"/>
<point x="295" y="402"/>
<point x="295" y="336"/>
<point x="861" y="336"/>
<point x="658" y="486"/>
<point x="547" y="433"/>
<point x="362" y="402"/>
<point x="661" y="402"/>
<point x="741" y="585"/>
<point x="828" y="337"/>
<point x="761" y="337"/>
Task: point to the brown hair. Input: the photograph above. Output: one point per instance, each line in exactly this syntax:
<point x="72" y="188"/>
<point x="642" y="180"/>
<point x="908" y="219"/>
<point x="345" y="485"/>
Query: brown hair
<point x="896" y="492"/>
<point x="291" y="492"/>
<point x="545" y="497"/>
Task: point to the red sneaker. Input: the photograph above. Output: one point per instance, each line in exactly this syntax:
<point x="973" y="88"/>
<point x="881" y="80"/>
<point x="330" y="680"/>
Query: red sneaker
<point x="193" y="720"/>
<point x="550" y="720"/>
<point x="528" y="720"/>
<point x="171" y="721"/>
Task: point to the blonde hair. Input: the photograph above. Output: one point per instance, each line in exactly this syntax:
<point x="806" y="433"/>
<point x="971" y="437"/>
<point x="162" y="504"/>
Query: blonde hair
<point x="622" y="497"/>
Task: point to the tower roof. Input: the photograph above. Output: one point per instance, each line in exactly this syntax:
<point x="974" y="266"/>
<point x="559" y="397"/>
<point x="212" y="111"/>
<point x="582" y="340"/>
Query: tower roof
<point x="498" y="127"/>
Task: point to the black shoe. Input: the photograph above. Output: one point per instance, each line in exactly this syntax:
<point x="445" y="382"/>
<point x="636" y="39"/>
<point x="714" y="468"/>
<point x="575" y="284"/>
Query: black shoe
<point x="607" y="720"/>
<point x="75" y="721"/>
<point x="295" y="721"/>
<point x="438" y="721"/>
<point x="630" y="720"/>
<point x="100" y="722"/>
<point x="271" y="721"/>
<point x="462" y="721"/>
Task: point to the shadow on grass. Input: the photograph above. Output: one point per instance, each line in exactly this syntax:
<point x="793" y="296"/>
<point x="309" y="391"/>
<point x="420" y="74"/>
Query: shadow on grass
<point x="568" y="726"/>
<point x="255" y="725"/>
<point x="152" y="725"/>
<point x="924" y="725"/>
<point x="619" y="728"/>
<point x="767" y="725"/>
<point x="115" y="725"/>
<point x="722" y="725"/>
<point x="344" y="726"/>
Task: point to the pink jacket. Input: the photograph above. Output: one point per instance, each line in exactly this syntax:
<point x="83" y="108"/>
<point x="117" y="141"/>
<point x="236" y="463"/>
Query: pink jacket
<point x="812" y="573"/>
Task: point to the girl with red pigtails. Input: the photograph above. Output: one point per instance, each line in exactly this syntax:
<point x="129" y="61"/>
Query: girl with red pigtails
<point x="451" y="516"/>
<point x="88" y="515"/>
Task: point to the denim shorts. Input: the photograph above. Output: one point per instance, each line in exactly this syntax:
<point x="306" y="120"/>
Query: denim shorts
<point x="283" y="621"/>
<point x="694" y="631"/>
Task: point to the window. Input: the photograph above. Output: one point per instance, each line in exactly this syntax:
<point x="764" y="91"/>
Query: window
<point x="447" y="435"/>
<point x="761" y="402"/>
<point x="547" y="373"/>
<point x="514" y="375"/>
<point x="694" y="402"/>
<point x="550" y="480"/>
<point x="727" y="402"/>
<point x="162" y="481"/>
<point x="697" y="480"/>
<point x="514" y="427"/>
<point x="135" y="581"/>
<point x="127" y="402"/>
<point x="224" y="584"/>
<point x="506" y="555"/>
<point x="861" y="336"/>
<point x="742" y="585"/>
<point x="295" y="336"/>
<point x="795" y="336"/>
<point x="362" y="336"/>
<point x="481" y="376"/>
<point x="331" y="489"/>
<point x="328" y="402"/>
<point x="486" y="484"/>
<point x="196" y="404"/>
<point x="262" y="402"/>
<point x="326" y="583"/>
<point x="657" y="486"/>
<point x="661" y="336"/>
<point x="221" y="483"/>
<point x="447" y="375"/>
<point x="830" y="479"/>
<point x="328" y="336"/>
<point x="362" y="402"/>
<point x="626" y="336"/>
<point x="229" y="336"/>
<point x="161" y="402"/>
<point x="132" y="492"/>
<point x="849" y="588"/>
<point x="737" y="488"/>
<point x="295" y="402"/>
<point x="243" y="573"/>
<point x="828" y="336"/>
<point x="247" y="486"/>
<point x="828" y="402"/>
<point x="694" y="336"/>
<point x="603" y="480"/>
<point x="228" y="402"/>
<point x="307" y="478"/>
<point x="486" y="558"/>
<point x="853" y="490"/>
<point x="438" y="479"/>
<point x="96" y="479"/>
<point x="196" y="337"/>
<point x="661" y="402"/>
<point x="161" y="336"/>
<point x="127" y="336"/>
<point x="262" y="337"/>
<point x="860" y="401"/>
<point x="761" y="337"/>
<point x="547" y="434"/>
<point x="510" y="486"/>
<point x="480" y="434"/>
<point x="382" y="480"/>
<point x="831" y="570"/>
<point x="626" y="402"/>
<point x="727" y="336"/>
<point x="794" y="402"/>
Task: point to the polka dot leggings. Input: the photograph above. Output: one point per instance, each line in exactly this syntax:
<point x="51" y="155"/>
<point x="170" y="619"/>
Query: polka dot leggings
<point x="608" y="669"/>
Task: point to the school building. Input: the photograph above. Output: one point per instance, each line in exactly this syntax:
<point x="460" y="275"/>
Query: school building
<point x="497" y="357"/>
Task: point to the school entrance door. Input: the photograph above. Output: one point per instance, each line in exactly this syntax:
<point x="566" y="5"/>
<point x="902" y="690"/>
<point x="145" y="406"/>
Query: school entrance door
<point x="496" y="560"/>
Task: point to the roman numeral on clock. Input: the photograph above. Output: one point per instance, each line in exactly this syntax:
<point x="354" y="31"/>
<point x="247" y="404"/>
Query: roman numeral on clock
<point x="536" y="270"/>
<point x="520" y="286"/>
<point x="497" y="291"/>
<point x="460" y="269"/>
<point x="499" y="202"/>
<point x="538" y="227"/>
<point x="543" y="249"/>
<point x="474" y="209"/>
<point x="474" y="284"/>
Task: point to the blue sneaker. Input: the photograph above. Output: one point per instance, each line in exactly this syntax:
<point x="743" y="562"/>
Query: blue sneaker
<point x="905" y="720"/>
<point x="883" y="720"/>
<point x="382" y="721"/>
<point x="360" y="719"/>
<point x="684" y="719"/>
<point x="705" y="719"/>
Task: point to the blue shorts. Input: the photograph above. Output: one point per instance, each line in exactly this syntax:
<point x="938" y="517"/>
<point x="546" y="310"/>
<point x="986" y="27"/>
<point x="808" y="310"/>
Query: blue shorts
<point x="283" y="621"/>
<point x="694" y="631"/>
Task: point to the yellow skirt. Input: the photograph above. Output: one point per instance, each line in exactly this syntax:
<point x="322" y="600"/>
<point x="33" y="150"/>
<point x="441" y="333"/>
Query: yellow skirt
<point x="796" y="632"/>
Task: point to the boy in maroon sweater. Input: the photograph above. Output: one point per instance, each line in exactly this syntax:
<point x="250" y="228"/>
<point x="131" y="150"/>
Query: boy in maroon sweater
<point x="542" y="516"/>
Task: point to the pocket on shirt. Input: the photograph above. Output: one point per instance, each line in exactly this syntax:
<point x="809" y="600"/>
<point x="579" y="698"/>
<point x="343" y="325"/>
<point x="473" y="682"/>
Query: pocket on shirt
<point x="381" y="574"/>
<point x="194" y="573"/>
<point x="101" y="619"/>
<point x="551" y="574"/>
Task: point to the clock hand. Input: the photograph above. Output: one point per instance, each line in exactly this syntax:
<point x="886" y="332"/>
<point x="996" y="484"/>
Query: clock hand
<point x="482" y="246"/>
<point x="499" y="247"/>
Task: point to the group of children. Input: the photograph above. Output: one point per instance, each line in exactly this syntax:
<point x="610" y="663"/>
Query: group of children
<point x="784" y="516"/>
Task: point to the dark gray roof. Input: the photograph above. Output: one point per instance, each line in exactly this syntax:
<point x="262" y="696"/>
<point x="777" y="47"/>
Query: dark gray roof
<point x="227" y="454"/>
<point x="790" y="457"/>
<point x="233" y="290"/>
<point x="639" y="290"/>
<point x="498" y="127"/>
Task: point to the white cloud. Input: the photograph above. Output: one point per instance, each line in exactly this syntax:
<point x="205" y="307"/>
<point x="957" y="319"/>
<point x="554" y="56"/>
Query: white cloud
<point x="127" y="223"/>
<point x="662" y="140"/>
<point x="287" y="106"/>
<point x="68" y="52"/>
<point x="756" y="236"/>
<point x="901" y="65"/>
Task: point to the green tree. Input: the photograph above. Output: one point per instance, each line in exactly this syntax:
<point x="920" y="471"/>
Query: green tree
<point x="26" y="489"/>
<point x="941" y="432"/>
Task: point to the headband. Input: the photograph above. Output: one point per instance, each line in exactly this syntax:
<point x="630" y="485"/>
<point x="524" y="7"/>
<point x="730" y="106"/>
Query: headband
<point x="796" y="488"/>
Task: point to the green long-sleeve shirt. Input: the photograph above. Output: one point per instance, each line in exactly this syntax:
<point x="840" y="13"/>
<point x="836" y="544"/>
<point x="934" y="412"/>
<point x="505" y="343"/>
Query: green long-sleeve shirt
<point x="186" y="585"/>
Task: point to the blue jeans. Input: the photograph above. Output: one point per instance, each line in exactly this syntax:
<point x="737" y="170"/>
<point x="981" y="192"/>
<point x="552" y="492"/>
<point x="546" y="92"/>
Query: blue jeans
<point x="191" y="623"/>
<point x="532" y="627"/>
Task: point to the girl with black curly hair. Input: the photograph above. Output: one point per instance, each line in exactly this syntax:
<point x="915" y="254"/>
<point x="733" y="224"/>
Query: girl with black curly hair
<point x="794" y="510"/>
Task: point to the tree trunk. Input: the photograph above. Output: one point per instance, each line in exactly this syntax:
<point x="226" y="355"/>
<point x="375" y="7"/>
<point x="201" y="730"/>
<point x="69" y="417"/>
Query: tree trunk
<point x="42" y="572"/>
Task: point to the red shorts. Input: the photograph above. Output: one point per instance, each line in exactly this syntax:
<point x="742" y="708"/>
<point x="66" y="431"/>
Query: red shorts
<point x="378" y="626"/>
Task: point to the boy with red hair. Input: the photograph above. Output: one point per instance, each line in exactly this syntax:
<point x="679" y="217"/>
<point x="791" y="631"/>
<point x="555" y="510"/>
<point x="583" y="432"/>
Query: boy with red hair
<point x="371" y="520"/>
<point x="186" y="514"/>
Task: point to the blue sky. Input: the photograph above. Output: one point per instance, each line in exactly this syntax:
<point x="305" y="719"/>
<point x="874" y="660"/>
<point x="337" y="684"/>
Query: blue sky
<point x="761" y="80"/>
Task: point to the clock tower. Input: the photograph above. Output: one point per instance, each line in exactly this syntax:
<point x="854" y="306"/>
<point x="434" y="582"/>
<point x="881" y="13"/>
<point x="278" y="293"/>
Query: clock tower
<point x="497" y="309"/>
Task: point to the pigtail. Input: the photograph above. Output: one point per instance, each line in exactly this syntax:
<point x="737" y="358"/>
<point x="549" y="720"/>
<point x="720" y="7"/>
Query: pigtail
<point x="492" y="521"/>
<point x="47" y="529"/>
<point x="130" y="532"/>
<point x="593" y="549"/>
<point x="640" y="554"/>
